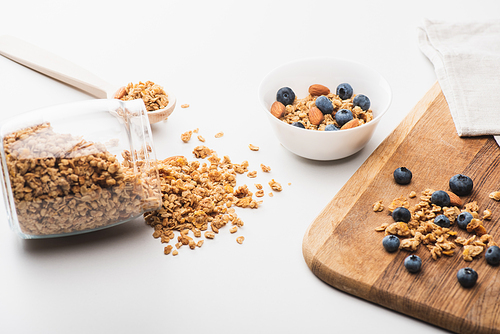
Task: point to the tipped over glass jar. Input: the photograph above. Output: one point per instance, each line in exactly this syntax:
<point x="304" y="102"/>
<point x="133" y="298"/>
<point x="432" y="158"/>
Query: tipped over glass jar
<point x="78" y="167"/>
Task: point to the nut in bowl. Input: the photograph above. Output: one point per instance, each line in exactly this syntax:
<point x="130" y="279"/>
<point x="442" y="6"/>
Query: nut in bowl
<point x="322" y="76"/>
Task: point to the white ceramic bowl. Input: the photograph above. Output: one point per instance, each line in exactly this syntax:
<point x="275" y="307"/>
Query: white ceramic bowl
<point x="299" y="75"/>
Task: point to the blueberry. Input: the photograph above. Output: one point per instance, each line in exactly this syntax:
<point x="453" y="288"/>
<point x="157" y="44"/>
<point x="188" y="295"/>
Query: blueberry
<point x="401" y="215"/>
<point x="324" y="104"/>
<point x="463" y="219"/>
<point x="343" y="116"/>
<point x="413" y="263"/>
<point x="344" y="91"/>
<point x="390" y="243"/>
<point x="440" y="198"/>
<point x="492" y="255"/>
<point x="402" y="175"/>
<point x="299" y="125"/>
<point x="361" y="101"/>
<point x="443" y="221"/>
<point x="467" y="277"/>
<point x="331" y="127"/>
<point x="285" y="95"/>
<point x="461" y="184"/>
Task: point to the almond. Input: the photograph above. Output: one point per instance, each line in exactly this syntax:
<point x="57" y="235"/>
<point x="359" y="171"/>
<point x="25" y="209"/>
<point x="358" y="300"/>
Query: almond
<point x="454" y="199"/>
<point x="315" y="116"/>
<point x="121" y="92"/>
<point x="278" y="109"/>
<point x="351" y="124"/>
<point x="318" y="90"/>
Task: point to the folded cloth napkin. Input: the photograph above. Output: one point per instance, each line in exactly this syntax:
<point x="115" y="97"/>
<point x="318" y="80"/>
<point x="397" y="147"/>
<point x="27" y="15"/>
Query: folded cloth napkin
<point x="466" y="58"/>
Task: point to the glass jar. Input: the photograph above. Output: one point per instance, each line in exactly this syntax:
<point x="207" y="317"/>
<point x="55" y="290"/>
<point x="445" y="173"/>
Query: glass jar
<point x="78" y="167"/>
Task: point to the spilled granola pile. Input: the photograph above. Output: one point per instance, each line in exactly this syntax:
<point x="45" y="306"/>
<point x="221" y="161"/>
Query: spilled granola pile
<point x="199" y="198"/>
<point x="421" y="230"/>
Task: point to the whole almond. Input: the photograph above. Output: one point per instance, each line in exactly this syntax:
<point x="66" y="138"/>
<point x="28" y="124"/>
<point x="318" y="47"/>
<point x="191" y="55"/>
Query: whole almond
<point x="351" y="124"/>
<point x="278" y="109"/>
<point x="454" y="199"/>
<point x="318" y="90"/>
<point x="315" y="116"/>
<point x="121" y="92"/>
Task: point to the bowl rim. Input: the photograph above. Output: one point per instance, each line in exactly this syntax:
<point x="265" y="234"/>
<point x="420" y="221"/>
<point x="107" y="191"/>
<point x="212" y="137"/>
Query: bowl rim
<point x="375" y="120"/>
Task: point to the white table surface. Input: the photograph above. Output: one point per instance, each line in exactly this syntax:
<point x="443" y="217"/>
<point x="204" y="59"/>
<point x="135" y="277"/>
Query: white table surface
<point x="212" y="55"/>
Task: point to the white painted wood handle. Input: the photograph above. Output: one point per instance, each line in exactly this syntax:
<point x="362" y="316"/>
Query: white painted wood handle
<point x="54" y="66"/>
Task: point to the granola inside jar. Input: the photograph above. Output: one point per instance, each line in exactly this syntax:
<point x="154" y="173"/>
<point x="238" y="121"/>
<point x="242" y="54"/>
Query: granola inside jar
<point x="78" y="168"/>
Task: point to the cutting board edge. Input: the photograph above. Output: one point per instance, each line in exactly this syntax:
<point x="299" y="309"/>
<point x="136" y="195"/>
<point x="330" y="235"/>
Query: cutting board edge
<point x="399" y="304"/>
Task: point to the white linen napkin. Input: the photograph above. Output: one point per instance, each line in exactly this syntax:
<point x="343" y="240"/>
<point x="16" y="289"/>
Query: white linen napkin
<point x="466" y="58"/>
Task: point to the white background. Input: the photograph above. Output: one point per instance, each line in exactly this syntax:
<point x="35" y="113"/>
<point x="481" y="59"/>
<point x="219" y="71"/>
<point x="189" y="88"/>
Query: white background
<point x="212" y="55"/>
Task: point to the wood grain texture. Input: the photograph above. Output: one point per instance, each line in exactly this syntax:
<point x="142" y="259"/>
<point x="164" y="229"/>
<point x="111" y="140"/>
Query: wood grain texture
<point x="342" y="248"/>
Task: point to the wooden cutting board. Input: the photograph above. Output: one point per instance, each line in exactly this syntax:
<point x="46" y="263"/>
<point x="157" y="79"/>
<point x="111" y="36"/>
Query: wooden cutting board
<point x="342" y="248"/>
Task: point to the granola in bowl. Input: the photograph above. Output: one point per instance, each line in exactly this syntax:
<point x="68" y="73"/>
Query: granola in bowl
<point x="306" y="111"/>
<point x="153" y="95"/>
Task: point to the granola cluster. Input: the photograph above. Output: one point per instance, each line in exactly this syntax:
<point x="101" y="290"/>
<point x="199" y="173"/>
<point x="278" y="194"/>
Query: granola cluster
<point x="199" y="197"/>
<point x="63" y="184"/>
<point x="299" y="112"/>
<point x="495" y="195"/>
<point x="153" y="95"/>
<point x="421" y="230"/>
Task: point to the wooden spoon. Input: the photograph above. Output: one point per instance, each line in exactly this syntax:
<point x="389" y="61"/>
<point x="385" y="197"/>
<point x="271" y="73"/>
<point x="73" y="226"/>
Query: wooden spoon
<point x="65" y="71"/>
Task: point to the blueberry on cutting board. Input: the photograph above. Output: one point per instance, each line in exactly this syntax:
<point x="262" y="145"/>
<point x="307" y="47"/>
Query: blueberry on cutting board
<point x="467" y="277"/>
<point x="461" y="184"/>
<point x="401" y="214"/>
<point x="413" y="263"/>
<point x="391" y="243"/>
<point x="402" y="175"/>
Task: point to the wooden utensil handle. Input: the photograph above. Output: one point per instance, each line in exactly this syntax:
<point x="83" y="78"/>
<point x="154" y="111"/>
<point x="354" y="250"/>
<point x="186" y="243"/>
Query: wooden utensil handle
<point x="53" y="66"/>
